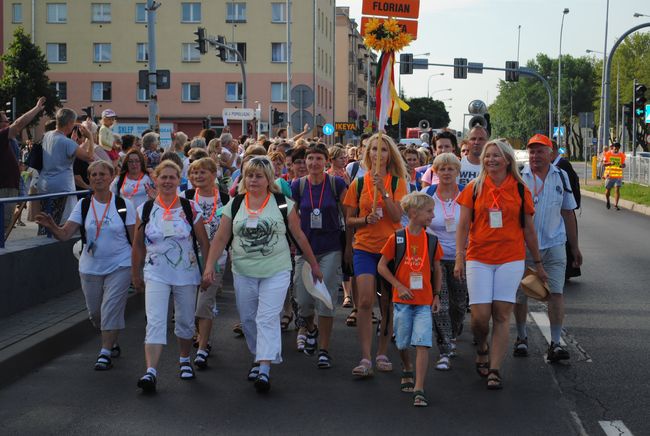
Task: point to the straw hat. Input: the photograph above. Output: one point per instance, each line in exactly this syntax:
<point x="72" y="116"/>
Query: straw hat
<point x="534" y="287"/>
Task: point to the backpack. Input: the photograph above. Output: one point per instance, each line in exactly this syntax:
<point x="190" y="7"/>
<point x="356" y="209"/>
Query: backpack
<point x="522" y="214"/>
<point x="400" y="251"/>
<point x="393" y="185"/>
<point x="120" y="182"/>
<point x="282" y="205"/>
<point x="431" y="189"/>
<point x="189" y="214"/>
<point x="332" y="180"/>
<point x="120" y="205"/>
<point x="355" y="170"/>
<point x="35" y="157"/>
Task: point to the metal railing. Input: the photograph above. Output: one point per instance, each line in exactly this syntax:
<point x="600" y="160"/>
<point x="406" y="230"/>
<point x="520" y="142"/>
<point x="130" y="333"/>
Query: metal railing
<point x="28" y="198"/>
<point x="637" y="170"/>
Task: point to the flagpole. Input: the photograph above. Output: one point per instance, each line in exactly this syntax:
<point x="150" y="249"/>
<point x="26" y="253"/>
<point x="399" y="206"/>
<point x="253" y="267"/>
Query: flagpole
<point x="380" y="146"/>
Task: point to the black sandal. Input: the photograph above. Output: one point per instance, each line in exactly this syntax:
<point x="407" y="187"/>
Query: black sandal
<point x="483" y="368"/>
<point x="103" y="363"/>
<point x="407" y="386"/>
<point x="147" y="383"/>
<point x="116" y="351"/>
<point x="262" y="383"/>
<point x="494" y="381"/>
<point x="253" y="372"/>
<point x="187" y="372"/>
<point x="351" y="320"/>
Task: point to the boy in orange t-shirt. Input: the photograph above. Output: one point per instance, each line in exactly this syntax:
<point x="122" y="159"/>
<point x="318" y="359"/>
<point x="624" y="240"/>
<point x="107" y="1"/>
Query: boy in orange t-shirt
<point x="415" y="292"/>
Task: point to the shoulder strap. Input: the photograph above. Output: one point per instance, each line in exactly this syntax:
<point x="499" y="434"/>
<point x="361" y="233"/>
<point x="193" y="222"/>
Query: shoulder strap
<point x="400" y="249"/>
<point x="432" y="190"/>
<point x="85" y="206"/>
<point x="189" y="216"/>
<point x="355" y="170"/>
<point x="236" y="204"/>
<point x="522" y="215"/>
<point x="120" y="182"/>
<point x="332" y="181"/>
<point x="359" y="187"/>
<point x="393" y="183"/>
<point x="146" y="213"/>
<point x="566" y="187"/>
<point x="120" y="205"/>
<point x="281" y="200"/>
<point x="189" y="193"/>
<point x="432" y="246"/>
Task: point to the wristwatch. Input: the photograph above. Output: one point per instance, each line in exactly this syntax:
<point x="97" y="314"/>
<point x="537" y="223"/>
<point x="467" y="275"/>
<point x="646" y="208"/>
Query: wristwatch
<point x="386" y="195"/>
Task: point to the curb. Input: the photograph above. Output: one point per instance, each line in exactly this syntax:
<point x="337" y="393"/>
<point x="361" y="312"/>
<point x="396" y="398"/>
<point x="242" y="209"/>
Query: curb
<point x="29" y="354"/>
<point x="623" y="204"/>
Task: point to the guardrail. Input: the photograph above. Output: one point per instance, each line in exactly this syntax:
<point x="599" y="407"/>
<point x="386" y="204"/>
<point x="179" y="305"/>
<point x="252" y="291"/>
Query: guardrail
<point x="28" y="198"/>
<point x="637" y="170"/>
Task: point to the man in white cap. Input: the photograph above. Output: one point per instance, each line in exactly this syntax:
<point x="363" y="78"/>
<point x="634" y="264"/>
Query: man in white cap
<point x="554" y="223"/>
<point x="106" y="138"/>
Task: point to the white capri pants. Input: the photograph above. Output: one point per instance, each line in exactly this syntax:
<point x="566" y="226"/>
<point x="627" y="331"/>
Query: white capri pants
<point x="106" y="297"/>
<point x="487" y="283"/>
<point x="259" y="302"/>
<point x="156" y="302"/>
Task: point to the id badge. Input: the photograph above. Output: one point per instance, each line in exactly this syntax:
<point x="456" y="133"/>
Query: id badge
<point x="251" y="221"/>
<point x="450" y="225"/>
<point x="380" y="212"/>
<point x="168" y="228"/>
<point x="315" y="221"/>
<point x="90" y="249"/>
<point x="496" y="219"/>
<point x="417" y="282"/>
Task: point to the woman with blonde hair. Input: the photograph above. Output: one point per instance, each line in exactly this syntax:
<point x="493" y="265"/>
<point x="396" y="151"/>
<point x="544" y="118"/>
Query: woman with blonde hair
<point x="497" y="213"/>
<point x="373" y="224"/>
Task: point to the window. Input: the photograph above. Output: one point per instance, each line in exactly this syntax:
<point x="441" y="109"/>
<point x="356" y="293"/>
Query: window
<point x="279" y="52"/>
<point x="142" y="94"/>
<point x="61" y="89"/>
<point x="190" y="12"/>
<point x="57" y="13"/>
<point x="140" y="12"/>
<point x="241" y="48"/>
<point x="278" y="91"/>
<point x="191" y="92"/>
<point x="102" y="52"/>
<point x="278" y="12"/>
<point x="142" y="52"/>
<point x="190" y="52"/>
<point x="101" y="12"/>
<point x="16" y="13"/>
<point x="235" y="12"/>
<point x="57" y="53"/>
<point x="234" y="91"/>
<point x="101" y="91"/>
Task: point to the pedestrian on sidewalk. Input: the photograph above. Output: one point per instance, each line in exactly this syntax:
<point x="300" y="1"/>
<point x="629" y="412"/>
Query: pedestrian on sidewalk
<point x="614" y="162"/>
<point x="555" y="222"/>
<point x="497" y="213"/>
<point x="107" y="226"/>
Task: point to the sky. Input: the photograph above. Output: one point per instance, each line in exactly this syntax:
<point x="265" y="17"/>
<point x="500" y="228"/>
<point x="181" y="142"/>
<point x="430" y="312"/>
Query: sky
<point x="486" y="31"/>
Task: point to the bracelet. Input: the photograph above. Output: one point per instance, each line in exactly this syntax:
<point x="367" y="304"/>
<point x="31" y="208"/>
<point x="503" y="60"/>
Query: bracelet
<point x="460" y="254"/>
<point x="365" y="218"/>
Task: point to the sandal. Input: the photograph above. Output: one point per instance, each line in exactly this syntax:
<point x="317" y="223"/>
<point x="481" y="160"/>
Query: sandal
<point x="262" y="383"/>
<point x="443" y="363"/>
<point x="187" y="372"/>
<point x="285" y="321"/>
<point x="116" y="351"/>
<point x="324" y="359"/>
<point x="236" y="329"/>
<point x="148" y="383"/>
<point x="103" y="363"/>
<point x="407" y="386"/>
<point x="363" y="370"/>
<point x="253" y="372"/>
<point x="494" y="380"/>
<point x="301" y="340"/>
<point x="419" y="400"/>
<point x="383" y="364"/>
<point x="201" y="359"/>
<point x="375" y="319"/>
<point x="351" y="320"/>
<point x="482" y="368"/>
<point x="347" y="302"/>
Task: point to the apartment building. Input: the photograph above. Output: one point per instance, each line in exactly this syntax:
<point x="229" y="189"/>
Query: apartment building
<point x="355" y="74"/>
<point x="95" y="50"/>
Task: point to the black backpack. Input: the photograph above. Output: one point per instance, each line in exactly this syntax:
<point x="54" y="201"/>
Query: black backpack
<point x="189" y="215"/>
<point x="120" y="205"/>
<point x="35" y="157"/>
<point x="522" y="213"/>
<point x="393" y="185"/>
<point x="400" y="251"/>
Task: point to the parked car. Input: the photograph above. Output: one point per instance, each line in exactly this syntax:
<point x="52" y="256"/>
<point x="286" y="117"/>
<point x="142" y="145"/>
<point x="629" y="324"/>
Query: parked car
<point x="521" y="156"/>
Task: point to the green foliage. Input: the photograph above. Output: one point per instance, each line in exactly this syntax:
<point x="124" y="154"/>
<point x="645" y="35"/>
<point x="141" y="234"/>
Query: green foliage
<point x="421" y="108"/>
<point x="25" y="77"/>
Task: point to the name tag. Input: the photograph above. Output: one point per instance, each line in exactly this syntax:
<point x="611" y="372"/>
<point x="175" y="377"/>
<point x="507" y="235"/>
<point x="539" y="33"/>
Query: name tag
<point x="417" y="281"/>
<point x="168" y="228"/>
<point x="380" y="212"/>
<point x="315" y="221"/>
<point x="251" y="221"/>
<point x="496" y="219"/>
<point x="450" y="225"/>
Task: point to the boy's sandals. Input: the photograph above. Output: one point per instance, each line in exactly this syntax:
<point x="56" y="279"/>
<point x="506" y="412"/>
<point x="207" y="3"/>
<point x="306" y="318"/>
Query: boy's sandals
<point x="253" y="372"/>
<point x="301" y="340"/>
<point x="383" y="364"/>
<point x="347" y="302"/>
<point x="363" y="370"/>
<point x="407" y="384"/>
<point x="285" y="321"/>
<point x="494" y="380"/>
<point x="482" y="368"/>
<point x="103" y="363"/>
<point x="324" y="359"/>
<point x="443" y="364"/>
<point x="351" y="320"/>
<point x="419" y="400"/>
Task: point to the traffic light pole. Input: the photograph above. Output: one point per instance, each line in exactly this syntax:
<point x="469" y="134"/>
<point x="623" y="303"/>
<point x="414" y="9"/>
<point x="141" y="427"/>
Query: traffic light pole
<point x="240" y="59"/>
<point x="634" y="117"/>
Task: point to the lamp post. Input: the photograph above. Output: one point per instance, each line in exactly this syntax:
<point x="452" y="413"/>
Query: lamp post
<point x="559" y="81"/>
<point x="438" y="90"/>
<point x="603" y="91"/>
<point x="637" y="15"/>
<point x="518" y="41"/>
<point x="429" y="81"/>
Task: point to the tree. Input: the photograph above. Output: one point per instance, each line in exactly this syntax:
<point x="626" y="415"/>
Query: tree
<point x="421" y="108"/>
<point x="24" y="77"/>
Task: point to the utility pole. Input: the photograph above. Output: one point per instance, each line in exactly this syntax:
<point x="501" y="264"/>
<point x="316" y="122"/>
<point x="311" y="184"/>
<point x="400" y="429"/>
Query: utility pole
<point x="634" y="117"/>
<point x="154" y="119"/>
<point x="289" y="59"/>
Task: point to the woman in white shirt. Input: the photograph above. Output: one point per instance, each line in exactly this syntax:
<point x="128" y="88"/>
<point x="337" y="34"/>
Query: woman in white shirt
<point x="133" y="182"/>
<point x="105" y="261"/>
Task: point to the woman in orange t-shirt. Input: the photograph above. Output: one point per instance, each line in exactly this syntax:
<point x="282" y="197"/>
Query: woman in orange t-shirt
<point x="491" y="215"/>
<point x="371" y="231"/>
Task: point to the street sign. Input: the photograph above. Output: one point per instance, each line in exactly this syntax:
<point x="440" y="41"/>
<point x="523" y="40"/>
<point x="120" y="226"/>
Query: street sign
<point x="392" y="8"/>
<point x="408" y="26"/>
<point x="594" y="141"/>
<point x="238" y="114"/>
<point x="340" y="127"/>
<point x="475" y="67"/>
<point x="301" y="117"/>
<point x="561" y="132"/>
<point x="328" y="129"/>
<point x="586" y="120"/>
<point x="136" y="129"/>
<point x="420" y="64"/>
<point x="647" y="114"/>
<point x="302" y="97"/>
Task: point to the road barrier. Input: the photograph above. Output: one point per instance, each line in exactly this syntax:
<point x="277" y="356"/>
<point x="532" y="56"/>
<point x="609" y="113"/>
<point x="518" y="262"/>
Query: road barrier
<point x="637" y="170"/>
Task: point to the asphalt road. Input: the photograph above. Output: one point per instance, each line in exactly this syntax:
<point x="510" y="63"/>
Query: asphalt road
<point x="606" y="380"/>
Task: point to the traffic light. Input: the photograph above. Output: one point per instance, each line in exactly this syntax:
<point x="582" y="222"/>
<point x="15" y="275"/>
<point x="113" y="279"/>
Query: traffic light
<point x="460" y="68"/>
<point x="201" y="41"/>
<point x="640" y="100"/>
<point x="88" y="110"/>
<point x="406" y="63"/>
<point x="277" y="117"/>
<point x="221" y="48"/>
<point x="512" y="76"/>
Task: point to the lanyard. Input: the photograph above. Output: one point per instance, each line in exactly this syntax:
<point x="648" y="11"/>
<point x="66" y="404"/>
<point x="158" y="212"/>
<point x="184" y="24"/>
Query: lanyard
<point x="369" y="189"/>
<point x="257" y="211"/>
<point x="214" y="205"/>
<point x="322" y="191"/>
<point x="135" y="190"/>
<point x="423" y="244"/>
<point x="100" y="222"/>
<point x="535" y="191"/>
<point x="167" y="214"/>
<point x="444" y="208"/>
<point x="495" y="198"/>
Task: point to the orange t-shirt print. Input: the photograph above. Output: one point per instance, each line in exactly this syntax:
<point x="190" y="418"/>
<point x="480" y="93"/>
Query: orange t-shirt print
<point x="615" y="170"/>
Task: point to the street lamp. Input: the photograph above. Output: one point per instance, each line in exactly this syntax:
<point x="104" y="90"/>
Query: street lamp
<point x="438" y="90"/>
<point x="518" y="40"/>
<point x="429" y="81"/>
<point x="593" y="51"/>
<point x="559" y="81"/>
<point x="637" y="15"/>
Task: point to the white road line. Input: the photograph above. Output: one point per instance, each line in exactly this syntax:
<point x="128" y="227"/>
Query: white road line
<point x="542" y="321"/>
<point x="615" y="428"/>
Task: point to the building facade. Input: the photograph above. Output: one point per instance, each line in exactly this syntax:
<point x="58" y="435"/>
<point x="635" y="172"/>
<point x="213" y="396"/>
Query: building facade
<point x="95" y="50"/>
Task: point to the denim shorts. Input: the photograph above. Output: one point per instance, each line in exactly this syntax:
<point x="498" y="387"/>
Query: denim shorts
<point x="413" y="325"/>
<point x="365" y="262"/>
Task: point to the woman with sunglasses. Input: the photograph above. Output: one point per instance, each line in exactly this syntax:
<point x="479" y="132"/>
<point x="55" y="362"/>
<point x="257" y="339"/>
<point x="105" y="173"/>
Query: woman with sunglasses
<point x="133" y="182"/>
<point x="261" y="263"/>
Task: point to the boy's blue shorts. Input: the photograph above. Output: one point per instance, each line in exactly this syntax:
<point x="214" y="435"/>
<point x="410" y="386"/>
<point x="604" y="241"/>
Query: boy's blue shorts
<point x="413" y="325"/>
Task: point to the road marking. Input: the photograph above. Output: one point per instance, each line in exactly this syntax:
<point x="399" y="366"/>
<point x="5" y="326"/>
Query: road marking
<point x="578" y="422"/>
<point x="615" y="428"/>
<point x="542" y="321"/>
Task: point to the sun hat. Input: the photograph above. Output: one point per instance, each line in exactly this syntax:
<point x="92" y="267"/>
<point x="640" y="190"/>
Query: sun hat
<point x="108" y="113"/>
<point x="317" y="290"/>
<point x="540" y="139"/>
<point x="533" y="286"/>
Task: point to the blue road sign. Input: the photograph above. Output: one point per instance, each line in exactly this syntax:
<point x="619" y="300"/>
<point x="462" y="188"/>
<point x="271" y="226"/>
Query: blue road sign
<point x="647" y="113"/>
<point x="328" y="129"/>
